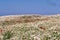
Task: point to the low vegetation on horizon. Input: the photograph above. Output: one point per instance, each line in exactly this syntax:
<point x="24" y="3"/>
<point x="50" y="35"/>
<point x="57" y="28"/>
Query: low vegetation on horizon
<point x="33" y="27"/>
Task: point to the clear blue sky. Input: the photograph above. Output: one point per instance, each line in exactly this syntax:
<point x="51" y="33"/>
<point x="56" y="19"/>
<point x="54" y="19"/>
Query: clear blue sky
<point x="8" y="7"/>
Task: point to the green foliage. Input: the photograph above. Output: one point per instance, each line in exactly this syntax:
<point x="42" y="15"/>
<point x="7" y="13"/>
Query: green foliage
<point x="54" y="35"/>
<point x="7" y="35"/>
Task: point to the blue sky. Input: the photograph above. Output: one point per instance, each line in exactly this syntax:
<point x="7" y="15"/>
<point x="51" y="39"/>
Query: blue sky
<point x="8" y="7"/>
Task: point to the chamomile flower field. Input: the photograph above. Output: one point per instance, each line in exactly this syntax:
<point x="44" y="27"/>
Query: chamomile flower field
<point x="31" y="27"/>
